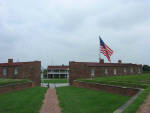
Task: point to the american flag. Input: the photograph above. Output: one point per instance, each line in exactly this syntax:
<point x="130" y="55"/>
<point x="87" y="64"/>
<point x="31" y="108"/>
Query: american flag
<point x="105" y="49"/>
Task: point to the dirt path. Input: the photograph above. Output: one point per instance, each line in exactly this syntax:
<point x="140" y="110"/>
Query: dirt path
<point x="50" y="104"/>
<point x="145" y="108"/>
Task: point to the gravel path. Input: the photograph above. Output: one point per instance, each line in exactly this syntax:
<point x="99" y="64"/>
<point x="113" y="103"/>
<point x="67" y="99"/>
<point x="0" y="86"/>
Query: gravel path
<point x="50" y="103"/>
<point x="145" y="108"/>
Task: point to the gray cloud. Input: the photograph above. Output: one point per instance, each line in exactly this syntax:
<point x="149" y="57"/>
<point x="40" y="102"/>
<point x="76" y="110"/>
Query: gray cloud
<point x="57" y="32"/>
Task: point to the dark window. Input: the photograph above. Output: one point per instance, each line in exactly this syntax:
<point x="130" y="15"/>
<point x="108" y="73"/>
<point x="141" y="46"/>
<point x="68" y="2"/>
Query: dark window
<point x="62" y="70"/>
<point x="49" y="70"/>
<point x="56" y="70"/>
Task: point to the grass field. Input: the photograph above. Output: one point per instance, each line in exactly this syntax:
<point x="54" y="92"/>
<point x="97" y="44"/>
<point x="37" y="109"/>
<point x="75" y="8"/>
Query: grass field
<point x="55" y="81"/>
<point x="146" y="72"/>
<point x="80" y="100"/>
<point x="12" y="81"/>
<point x="24" y="101"/>
<point x="136" y="81"/>
<point x="133" y="108"/>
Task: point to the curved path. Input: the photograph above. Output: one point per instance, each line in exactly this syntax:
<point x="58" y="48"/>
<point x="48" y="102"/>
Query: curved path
<point x="50" y="103"/>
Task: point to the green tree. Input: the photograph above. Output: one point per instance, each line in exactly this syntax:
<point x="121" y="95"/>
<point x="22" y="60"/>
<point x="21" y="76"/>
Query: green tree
<point x="146" y="68"/>
<point x="45" y="73"/>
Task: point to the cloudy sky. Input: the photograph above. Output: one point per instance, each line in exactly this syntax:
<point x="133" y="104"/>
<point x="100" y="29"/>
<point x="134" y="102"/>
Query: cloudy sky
<point x="59" y="31"/>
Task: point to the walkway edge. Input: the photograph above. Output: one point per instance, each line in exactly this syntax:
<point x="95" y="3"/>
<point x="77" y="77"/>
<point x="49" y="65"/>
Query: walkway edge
<point x="123" y="107"/>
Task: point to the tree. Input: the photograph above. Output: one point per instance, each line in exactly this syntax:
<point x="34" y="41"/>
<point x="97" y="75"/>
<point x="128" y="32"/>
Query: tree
<point x="146" y="68"/>
<point x="45" y="73"/>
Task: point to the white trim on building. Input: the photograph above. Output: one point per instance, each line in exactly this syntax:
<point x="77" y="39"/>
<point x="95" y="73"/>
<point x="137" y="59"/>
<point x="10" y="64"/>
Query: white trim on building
<point x="58" y="72"/>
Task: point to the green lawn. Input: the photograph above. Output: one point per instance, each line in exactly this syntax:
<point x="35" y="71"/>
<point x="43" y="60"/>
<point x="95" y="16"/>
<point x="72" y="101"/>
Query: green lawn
<point x="4" y="81"/>
<point x="80" y="100"/>
<point x="133" y="108"/>
<point x="55" y="81"/>
<point x="23" y="101"/>
<point x="146" y="72"/>
<point x="136" y="81"/>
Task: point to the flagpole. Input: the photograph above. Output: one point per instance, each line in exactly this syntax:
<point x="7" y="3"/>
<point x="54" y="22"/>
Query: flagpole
<point x="99" y="51"/>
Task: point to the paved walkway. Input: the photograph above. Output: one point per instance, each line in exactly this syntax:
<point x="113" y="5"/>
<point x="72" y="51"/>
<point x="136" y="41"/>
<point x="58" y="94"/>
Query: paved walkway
<point x="145" y="108"/>
<point x="54" y="85"/>
<point x="50" y="104"/>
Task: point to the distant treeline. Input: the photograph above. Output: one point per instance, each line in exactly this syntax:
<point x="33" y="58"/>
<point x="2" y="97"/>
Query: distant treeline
<point x="146" y="68"/>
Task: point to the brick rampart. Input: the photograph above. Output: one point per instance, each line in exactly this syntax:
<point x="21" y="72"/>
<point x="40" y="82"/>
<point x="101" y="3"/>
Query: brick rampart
<point x="108" y="88"/>
<point x="15" y="87"/>
<point x="83" y="70"/>
<point x="26" y="70"/>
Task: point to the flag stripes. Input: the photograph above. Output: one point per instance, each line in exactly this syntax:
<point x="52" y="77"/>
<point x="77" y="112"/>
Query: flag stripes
<point x="105" y="50"/>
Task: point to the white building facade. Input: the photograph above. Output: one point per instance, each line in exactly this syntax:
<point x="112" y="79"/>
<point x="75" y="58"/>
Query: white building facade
<point x="58" y="71"/>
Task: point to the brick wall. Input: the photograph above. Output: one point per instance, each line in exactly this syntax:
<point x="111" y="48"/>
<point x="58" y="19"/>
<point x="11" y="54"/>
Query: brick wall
<point x="15" y="87"/>
<point x="83" y="70"/>
<point x="77" y="70"/>
<point x="26" y="70"/>
<point x="108" y="88"/>
<point x="32" y="71"/>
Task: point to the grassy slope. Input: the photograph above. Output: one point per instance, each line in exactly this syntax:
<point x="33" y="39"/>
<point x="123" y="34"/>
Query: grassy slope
<point x="133" y="108"/>
<point x="80" y="100"/>
<point x="138" y="81"/>
<point x="24" y="101"/>
<point x="146" y="72"/>
<point x="12" y="81"/>
<point x="55" y="81"/>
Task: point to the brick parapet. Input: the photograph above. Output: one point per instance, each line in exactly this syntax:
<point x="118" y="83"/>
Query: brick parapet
<point x="15" y="87"/>
<point x="83" y="70"/>
<point x="127" y="91"/>
<point x="26" y="70"/>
